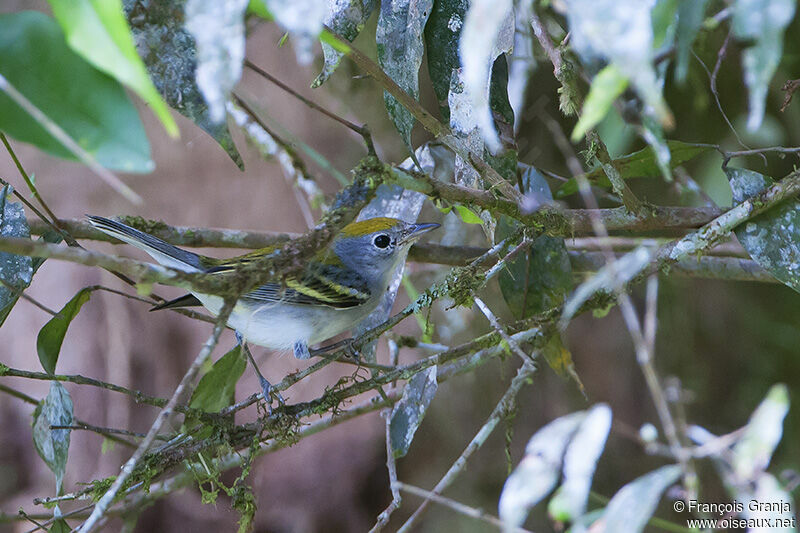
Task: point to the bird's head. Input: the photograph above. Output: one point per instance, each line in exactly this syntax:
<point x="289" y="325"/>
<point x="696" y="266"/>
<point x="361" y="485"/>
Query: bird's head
<point x="375" y="247"/>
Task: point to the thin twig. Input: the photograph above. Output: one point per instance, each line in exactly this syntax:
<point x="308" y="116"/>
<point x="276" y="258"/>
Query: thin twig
<point x="102" y="505"/>
<point x="32" y="186"/>
<point x="363" y="130"/>
<point x="501" y="410"/>
<point x="391" y="464"/>
<point x="270" y="144"/>
<point x="501" y="330"/>
<point x="460" y="508"/>
<point x="20" y="292"/>
<point x="645" y="351"/>
<point x="33" y="401"/>
<point x="712" y="78"/>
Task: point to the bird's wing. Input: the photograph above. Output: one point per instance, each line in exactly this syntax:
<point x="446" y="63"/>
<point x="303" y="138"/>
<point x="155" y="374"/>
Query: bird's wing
<point x="321" y="284"/>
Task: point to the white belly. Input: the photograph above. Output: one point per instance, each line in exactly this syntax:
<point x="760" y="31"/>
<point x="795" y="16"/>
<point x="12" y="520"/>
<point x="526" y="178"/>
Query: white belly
<point x="281" y="325"/>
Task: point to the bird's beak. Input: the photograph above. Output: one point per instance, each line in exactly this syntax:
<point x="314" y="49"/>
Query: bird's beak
<point x="415" y="231"/>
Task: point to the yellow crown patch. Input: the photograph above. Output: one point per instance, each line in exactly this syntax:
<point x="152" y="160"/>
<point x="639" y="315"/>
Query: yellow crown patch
<point x="364" y="227"/>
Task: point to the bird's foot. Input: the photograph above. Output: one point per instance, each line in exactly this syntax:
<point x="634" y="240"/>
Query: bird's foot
<point x="268" y="393"/>
<point x="301" y="350"/>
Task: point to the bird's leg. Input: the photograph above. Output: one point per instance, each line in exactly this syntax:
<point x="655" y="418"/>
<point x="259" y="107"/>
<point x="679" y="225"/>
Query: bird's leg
<point x="301" y="350"/>
<point x="266" y="387"/>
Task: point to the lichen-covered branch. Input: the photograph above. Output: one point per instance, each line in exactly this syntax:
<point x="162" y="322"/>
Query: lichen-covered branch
<point x="711" y="233"/>
<point x="555" y="221"/>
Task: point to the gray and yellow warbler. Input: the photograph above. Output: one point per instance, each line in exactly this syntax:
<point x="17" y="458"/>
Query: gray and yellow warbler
<point x="340" y="286"/>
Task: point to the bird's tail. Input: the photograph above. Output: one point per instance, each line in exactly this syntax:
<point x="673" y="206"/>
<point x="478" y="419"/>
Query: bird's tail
<point x="161" y="251"/>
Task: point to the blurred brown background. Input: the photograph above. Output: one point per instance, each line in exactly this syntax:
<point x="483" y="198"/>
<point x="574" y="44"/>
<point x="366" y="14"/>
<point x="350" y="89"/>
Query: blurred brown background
<point x="727" y="342"/>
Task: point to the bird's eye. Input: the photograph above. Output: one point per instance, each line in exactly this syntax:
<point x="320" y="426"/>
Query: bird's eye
<point x="382" y="241"/>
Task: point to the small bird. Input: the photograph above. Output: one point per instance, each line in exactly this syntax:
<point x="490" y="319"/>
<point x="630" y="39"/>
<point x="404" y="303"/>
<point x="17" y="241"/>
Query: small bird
<point x="340" y="286"/>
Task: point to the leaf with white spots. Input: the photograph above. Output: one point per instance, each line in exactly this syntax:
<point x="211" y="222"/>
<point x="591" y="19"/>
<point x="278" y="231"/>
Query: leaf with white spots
<point x="569" y="502"/>
<point x="408" y="413"/>
<point x="464" y="124"/>
<point x="774" y="512"/>
<point x="400" y="48"/>
<point x="218" y="31"/>
<point x="762" y="22"/>
<point x="303" y="19"/>
<point x="522" y="62"/>
<point x="345" y="18"/>
<point x="634" y="504"/>
<point x="53" y="444"/>
<point x="619" y="31"/>
<point x="169" y="53"/>
<point x="753" y="451"/>
<point x="16" y="271"/>
<point x="539" y="471"/>
<point x="442" y="34"/>
<point x="488" y="32"/>
<point x="773" y="238"/>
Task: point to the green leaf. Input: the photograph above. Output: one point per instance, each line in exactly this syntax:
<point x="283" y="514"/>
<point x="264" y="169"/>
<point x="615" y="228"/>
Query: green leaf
<point x="408" y="413"/>
<point x="60" y="526"/>
<point x="259" y="8"/>
<point x="761" y="21"/>
<point x="217" y="388"/>
<point x="559" y="359"/>
<point x="467" y="215"/>
<point x="607" y="85"/>
<point x="690" y="20"/>
<point x="97" y="31"/>
<point x="634" y="504"/>
<point x="346" y="19"/>
<point x="168" y="52"/>
<point x="580" y="460"/>
<point x="89" y="106"/>
<point x="51" y="336"/>
<point x="753" y="451"/>
<point x="773" y="238"/>
<point x="540" y="469"/>
<point x="620" y="31"/>
<point x="641" y="164"/>
<point x="539" y="278"/>
<point x="442" y="34"/>
<point x="52" y="445"/>
<point x="400" y="48"/>
<point x="16" y="271"/>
